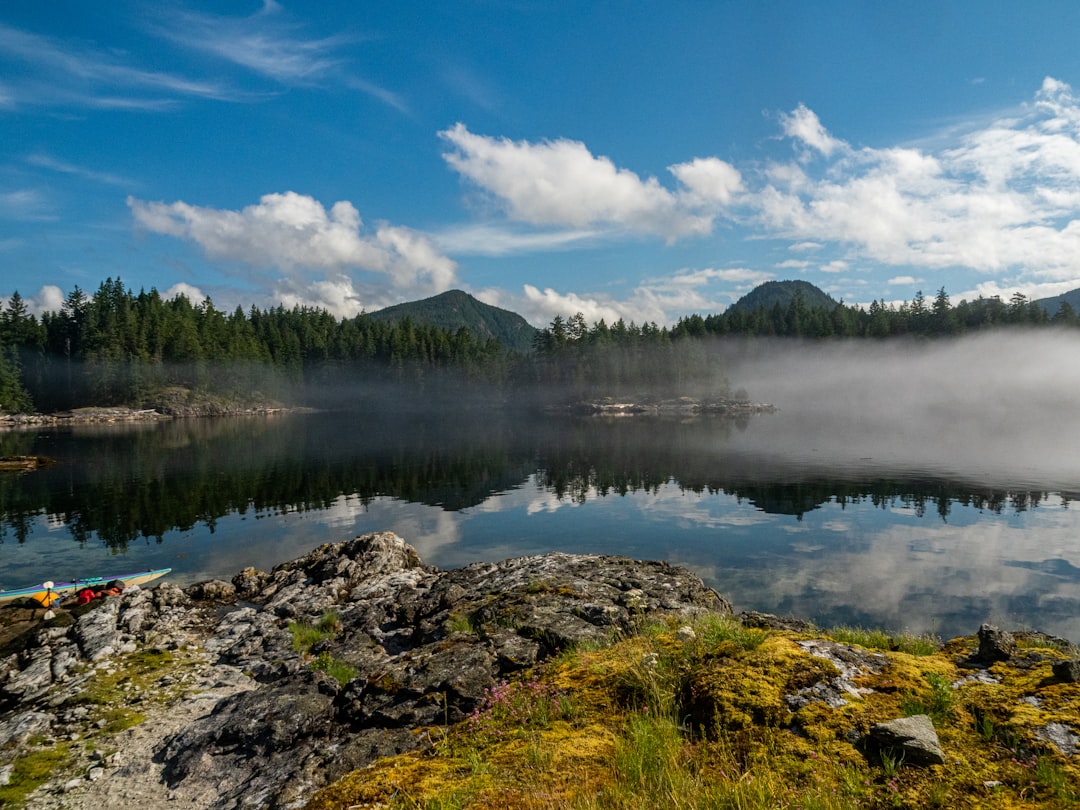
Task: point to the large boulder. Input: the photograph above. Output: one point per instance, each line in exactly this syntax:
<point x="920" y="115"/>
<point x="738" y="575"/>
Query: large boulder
<point x="913" y="738"/>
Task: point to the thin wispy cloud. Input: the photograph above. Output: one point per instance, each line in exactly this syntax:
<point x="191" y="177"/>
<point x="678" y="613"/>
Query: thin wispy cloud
<point x="27" y="205"/>
<point x="45" y="161"/>
<point x="484" y="239"/>
<point x="268" y="43"/>
<point x="54" y="72"/>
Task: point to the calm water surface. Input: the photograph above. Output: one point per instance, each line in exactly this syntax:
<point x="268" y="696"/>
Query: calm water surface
<point x="784" y="513"/>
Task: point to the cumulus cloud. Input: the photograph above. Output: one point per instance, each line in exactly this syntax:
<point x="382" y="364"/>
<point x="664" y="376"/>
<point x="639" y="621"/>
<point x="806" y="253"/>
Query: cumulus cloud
<point x="1002" y="197"/>
<point x="562" y="183"/>
<point x="803" y="126"/>
<point x="193" y="294"/>
<point x="662" y="300"/>
<point x="48" y="299"/>
<point x="315" y="250"/>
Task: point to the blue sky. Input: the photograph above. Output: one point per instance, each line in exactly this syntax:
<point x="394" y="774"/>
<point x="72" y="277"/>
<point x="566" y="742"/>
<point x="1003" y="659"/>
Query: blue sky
<point x="640" y="160"/>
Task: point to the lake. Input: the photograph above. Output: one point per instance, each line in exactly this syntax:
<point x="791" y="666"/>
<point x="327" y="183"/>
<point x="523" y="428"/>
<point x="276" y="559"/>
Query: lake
<point x="817" y="512"/>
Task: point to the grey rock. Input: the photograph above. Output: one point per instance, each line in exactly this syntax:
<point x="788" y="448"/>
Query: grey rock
<point x="1068" y="671"/>
<point x="995" y="644"/>
<point x="398" y="626"/>
<point x="685" y="633"/>
<point x="29" y="682"/>
<point x="1061" y="736"/>
<point x="215" y="590"/>
<point x="396" y="616"/>
<point x="97" y="633"/>
<point x="23" y="725"/>
<point x="850" y="662"/>
<point x="914" y="737"/>
<point x="769" y="621"/>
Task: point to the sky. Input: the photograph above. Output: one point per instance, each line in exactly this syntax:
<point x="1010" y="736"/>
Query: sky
<point x="642" y="160"/>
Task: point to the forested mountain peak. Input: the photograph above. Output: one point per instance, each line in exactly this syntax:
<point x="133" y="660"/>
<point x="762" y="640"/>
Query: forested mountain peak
<point x="454" y="309"/>
<point x="771" y="293"/>
<point x="1053" y="305"/>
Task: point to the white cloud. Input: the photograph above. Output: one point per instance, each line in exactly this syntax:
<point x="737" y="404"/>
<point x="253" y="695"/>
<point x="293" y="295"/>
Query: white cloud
<point x="271" y="45"/>
<point x="314" y="249"/>
<point x="898" y="280"/>
<point x="46" y="161"/>
<point x="1001" y="197"/>
<point x="48" y="299"/>
<point x="561" y="183"/>
<point x="70" y="73"/>
<point x="26" y="205"/>
<point x="835" y="266"/>
<point x="709" y="180"/>
<point x="662" y="300"/>
<point x="802" y="124"/>
<point x="487" y="239"/>
<point x="192" y="294"/>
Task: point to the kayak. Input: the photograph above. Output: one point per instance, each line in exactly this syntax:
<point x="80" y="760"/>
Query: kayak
<point x="64" y="589"/>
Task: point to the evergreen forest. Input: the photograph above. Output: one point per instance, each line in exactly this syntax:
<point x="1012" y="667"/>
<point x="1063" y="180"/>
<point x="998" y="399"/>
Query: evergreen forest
<point x="119" y="348"/>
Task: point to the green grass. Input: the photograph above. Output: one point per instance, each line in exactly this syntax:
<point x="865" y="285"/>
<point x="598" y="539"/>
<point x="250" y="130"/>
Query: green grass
<point x="935" y="701"/>
<point x="924" y="644"/>
<point x="460" y="623"/>
<point x="717" y="629"/>
<point x="305" y="635"/>
<point x="339" y="670"/>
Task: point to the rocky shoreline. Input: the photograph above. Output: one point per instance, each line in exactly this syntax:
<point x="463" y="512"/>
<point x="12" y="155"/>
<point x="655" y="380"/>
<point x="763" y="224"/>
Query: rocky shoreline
<point x="101" y="416"/>
<point x="263" y="691"/>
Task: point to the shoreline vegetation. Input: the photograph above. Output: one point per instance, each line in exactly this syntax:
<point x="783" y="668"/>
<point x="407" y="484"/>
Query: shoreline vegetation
<point x="358" y="677"/>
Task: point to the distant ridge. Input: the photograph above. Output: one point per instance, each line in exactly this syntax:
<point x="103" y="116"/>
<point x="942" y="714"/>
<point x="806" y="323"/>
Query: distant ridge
<point x="454" y="309"/>
<point x="771" y="293"/>
<point x="1052" y="305"/>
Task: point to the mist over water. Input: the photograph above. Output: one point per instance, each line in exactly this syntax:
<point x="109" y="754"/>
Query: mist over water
<point x="927" y="485"/>
<point x="1000" y="409"/>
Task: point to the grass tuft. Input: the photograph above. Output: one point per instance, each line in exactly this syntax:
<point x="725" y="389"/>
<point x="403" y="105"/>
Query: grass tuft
<point x="921" y="645"/>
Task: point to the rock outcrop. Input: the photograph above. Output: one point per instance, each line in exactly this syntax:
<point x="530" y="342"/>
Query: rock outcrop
<point x="355" y="651"/>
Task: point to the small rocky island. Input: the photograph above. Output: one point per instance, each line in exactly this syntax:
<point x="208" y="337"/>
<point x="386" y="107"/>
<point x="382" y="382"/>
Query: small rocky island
<point x="358" y="676"/>
<point x="678" y="406"/>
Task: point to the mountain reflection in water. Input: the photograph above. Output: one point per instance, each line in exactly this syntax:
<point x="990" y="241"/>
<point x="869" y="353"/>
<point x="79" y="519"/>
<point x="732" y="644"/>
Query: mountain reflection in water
<point x="777" y="516"/>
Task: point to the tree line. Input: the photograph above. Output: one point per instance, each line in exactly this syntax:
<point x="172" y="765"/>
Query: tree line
<point x="116" y="347"/>
<point x="918" y="317"/>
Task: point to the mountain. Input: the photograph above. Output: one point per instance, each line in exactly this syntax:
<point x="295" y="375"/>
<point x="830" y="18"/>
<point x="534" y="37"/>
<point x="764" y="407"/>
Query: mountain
<point x="454" y="309"/>
<point x="771" y="293"/>
<point x="1052" y="305"/>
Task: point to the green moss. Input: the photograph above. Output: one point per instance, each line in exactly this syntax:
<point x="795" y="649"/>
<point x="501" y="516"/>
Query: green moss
<point x="703" y="721"/>
<point x="31" y="771"/>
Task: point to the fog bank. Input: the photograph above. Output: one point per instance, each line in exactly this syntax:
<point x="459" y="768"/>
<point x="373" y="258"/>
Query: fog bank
<point x="1000" y="408"/>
